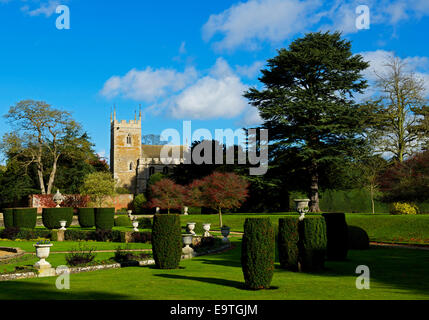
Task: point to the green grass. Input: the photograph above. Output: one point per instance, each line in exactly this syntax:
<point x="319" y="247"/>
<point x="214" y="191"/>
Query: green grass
<point x="395" y="274"/>
<point x="380" y="227"/>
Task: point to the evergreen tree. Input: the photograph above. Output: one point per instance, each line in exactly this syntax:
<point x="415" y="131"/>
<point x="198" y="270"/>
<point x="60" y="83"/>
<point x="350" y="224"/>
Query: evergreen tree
<point x="307" y="103"/>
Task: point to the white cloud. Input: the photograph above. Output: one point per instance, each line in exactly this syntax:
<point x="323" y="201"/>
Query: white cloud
<point x="251" y="117"/>
<point x="148" y="84"/>
<point x="378" y="59"/>
<point x="45" y="8"/>
<point x="250" y="71"/>
<point x="247" y="24"/>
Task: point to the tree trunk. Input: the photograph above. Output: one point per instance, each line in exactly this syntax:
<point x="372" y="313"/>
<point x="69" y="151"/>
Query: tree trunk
<point x="372" y="199"/>
<point x="220" y="218"/>
<point x="314" y="189"/>
<point x="40" y="174"/>
<point x="52" y="175"/>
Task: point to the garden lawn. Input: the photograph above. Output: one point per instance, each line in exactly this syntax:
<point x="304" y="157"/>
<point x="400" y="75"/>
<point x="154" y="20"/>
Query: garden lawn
<point x="380" y="227"/>
<point x="395" y="274"/>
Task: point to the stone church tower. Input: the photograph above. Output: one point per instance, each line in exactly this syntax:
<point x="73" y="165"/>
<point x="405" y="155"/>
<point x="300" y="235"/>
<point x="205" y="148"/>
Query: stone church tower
<point x="125" y="150"/>
<point x="131" y="162"/>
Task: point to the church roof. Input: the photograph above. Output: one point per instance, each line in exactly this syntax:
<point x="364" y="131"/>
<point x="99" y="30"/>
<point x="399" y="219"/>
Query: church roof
<point x="153" y="151"/>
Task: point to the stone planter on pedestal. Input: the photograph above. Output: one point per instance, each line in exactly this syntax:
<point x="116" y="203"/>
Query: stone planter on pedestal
<point x="185" y="210"/>
<point x="135" y="225"/>
<point x="187" y="250"/>
<point x="63" y="224"/>
<point x="301" y="206"/>
<point x="43" y="266"/>
<point x="190" y="226"/>
<point x="225" y="232"/>
<point x="206" y="227"/>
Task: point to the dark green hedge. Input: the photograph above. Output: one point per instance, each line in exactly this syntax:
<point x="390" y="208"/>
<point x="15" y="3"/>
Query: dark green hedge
<point x="86" y="217"/>
<point x="52" y="216"/>
<point x="104" y="218"/>
<point x="357" y="238"/>
<point x="145" y="223"/>
<point x="166" y="241"/>
<point x="288" y="243"/>
<point x="25" y="218"/>
<point x="337" y="235"/>
<point x="13" y="233"/>
<point x="123" y="221"/>
<point x="257" y="253"/>
<point x="8" y="218"/>
<point x="312" y="243"/>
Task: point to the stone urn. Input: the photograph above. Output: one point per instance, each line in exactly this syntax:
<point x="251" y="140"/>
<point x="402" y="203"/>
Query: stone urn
<point x="130" y="212"/>
<point x="58" y="198"/>
<point x="301" y="206"/>
<point x="157" y="210"/>
<point x="206" y="227"/>
<point x="42" y="252"/>
<point x="187" y="241"/>
<point x="185" y="210"/>
<point x="190" y="226"/>
<point x="135" y="225"/>
<point x="225" y="232"/>
<point x="63" y="224"/>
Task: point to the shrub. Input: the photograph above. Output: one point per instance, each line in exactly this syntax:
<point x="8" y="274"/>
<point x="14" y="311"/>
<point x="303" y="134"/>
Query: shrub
<point x="104" y="218"/>
<point x="80" y="256"/>
<point x="9" y="233"/>
<point x="312" y="243"/>
<point x="25" y="218"/>
<point x="76" y="235"/>
<point x="8" y="218"/>
<point x="257" y="253"/>
<point x="166" y="241"/>
<point x="123" y="255"/>
<point x="403" y="208"/>
<point x="194" y="210"/>
<point x="141" y="237"/>
<point x="336" y="233"/>
<point x="357" y="238"/>
<point x="145" y="223"/>
<point x="288" y="243"/>
<point x="52" y="216"/>
<point x="30" y="234"/>
<point x="103" y="235"/>
<point x="138" y="203"/>
<point x="123" y="221"/>
<point x="86" y="217"/>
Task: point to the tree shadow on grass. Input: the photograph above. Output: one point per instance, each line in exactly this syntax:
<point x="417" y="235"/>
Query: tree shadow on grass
<point x="217" y="281"/>
<point x="30" y="290"/>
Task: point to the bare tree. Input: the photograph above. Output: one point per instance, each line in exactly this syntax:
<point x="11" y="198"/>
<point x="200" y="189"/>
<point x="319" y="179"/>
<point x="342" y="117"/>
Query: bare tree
<point x="400" y="111"/>
<point x="41" y="135"/>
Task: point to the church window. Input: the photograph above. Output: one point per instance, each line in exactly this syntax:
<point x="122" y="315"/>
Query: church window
<point x="129" y="139"/>
<point x="131" y="166"/>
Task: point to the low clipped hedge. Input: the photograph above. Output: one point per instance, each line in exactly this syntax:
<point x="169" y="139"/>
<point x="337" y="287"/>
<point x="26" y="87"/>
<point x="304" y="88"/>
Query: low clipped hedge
<point x="357" y="238"/>
<point x="86" y="217"/>
<point x="8" y="218"/>
<point x="337" y="236"/>
<point x="145" y="223"/>
<point x="166" y="241"/>
<point x="25" y="218"/>
<point x="13" y="233"/>
<point x="258" y="253"/>
<point x="51" y="217"/>
<point x="106" y="235"/>
<point x="287" y="243"/>
<point x="104" y="218"/>
<point x="123" y="221"/>
<point x="312" y="243"/>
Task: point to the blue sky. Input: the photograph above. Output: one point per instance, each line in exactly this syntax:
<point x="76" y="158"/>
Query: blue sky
<point x="181" y="60"/>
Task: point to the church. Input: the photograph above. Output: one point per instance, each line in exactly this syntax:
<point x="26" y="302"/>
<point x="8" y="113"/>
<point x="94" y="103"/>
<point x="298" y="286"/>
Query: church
<point x="131" y="162"/>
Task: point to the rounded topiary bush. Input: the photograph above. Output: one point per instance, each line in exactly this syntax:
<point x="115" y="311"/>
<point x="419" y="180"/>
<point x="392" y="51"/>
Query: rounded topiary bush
<point x="312" y="243"/>
<point x="357" y="238"/>
<point x="166" y="241"/>
<point x="86" y="217"/>
<point x="8" y="218"/>
<point x="25" y="218"/>
<point x="288" y="243"/>
<point x="104" y="218"/>
<point x="123" y="221"/>
<point x="403" y="208"/>
<point x="257" y="253"/>
<point x="52" y="216"/>
<point x="337" y="236"/>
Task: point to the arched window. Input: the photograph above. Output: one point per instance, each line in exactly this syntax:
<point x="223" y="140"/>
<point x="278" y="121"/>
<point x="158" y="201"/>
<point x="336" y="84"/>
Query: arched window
<point x="128" y="139"/>
<point x="131" y="166"/>
<point x="165" y="170"/>
<point x="151" y="171"/>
